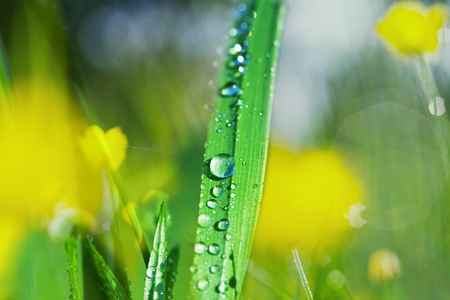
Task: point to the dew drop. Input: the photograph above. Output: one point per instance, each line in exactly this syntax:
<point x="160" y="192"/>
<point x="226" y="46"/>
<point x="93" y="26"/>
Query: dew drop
<point x="436" y="106"/>
<point x="214" y="249"/>
<point x="232" y="186"/>
<point x="151" y="272"/>
<point x="193" y="269"/>
<point x="202" y="284"/>
<point x="204" y="220"/>
<point x="230" y="89"/>
<point x="223" y="224"/>
<point x="162" y="266"/>
<point x="199" y="248"/>
<point x="222" y="165"/>
<point x="222" y="288"/>
<point x="214" y="269"/>
<point x="217" y="191"/>
<point x="211" y="204"/>
<point x="228" y="236"/>
<point x="232" y="195"/>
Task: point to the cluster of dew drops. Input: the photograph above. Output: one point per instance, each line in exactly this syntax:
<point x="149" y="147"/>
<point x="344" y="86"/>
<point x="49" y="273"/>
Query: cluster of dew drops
<point x="223" y="165"/>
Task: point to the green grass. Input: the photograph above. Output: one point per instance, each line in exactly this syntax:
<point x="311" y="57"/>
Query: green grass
<point x="235" y="154"/>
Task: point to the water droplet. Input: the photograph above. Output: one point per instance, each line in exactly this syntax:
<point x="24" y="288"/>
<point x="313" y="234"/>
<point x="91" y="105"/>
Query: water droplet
<point x="222" y="165"/>
<point x="436" y="106"/>
<point x="230" y="89"/>
<point x="222" y="287"/>
<point x="255" y="186"/>
<point x="214" y="269"/>
<point x="228" y="236"/>
<point x="217" y="191"/>
<point x="204" y="220"/>
<point x="214" y="249"/>
<point x="219" y="130"/>
<point x="151" y="272"/>
<point x="162" y="266"/>
<point x="202" y="284"/>
<point x="193" y="269"/>
<point x="223" y="224"/>
<point x="335" y="279"/>
<point x="211" y="204"/>
<point x="232" y="195"/>
<point x="260" y="114"/>
<point x="199" y="248"/>
<point x="232" y="186"/>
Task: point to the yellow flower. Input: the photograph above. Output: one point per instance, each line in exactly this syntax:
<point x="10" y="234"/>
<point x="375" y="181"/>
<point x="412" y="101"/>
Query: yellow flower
<point x="305" y="199"/>
<point x="411" y="27"/>
<point x="41" y="163"/>
<point x="384" y="265"/>
<point x="104" y="150"/>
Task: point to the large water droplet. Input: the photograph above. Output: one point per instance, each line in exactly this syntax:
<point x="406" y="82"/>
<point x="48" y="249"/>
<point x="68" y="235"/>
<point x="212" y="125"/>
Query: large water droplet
<point x="230" y="89"/>
<point x="202" y="284"/>
<point x="217" y="191"/>
<point x="222" y="165"/>
<point x="199" y="248"/>
<point x="204" y="220"/>
<point x="214" y="249"/>
<point x="223" y="224"/>
<point x="211" y="204"/>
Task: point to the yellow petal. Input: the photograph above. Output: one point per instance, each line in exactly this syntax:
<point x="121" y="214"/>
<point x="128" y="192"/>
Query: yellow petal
<point x="117" y="142"/>
<point x="104" y="150"/>
<point x="411" y="27"/>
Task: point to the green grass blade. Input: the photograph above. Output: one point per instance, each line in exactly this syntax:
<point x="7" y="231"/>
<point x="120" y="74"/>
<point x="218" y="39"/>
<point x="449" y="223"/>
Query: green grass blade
<point x="72" y="251"/>
<point x="172" y="266"/>
<point x="110" y="283"/>
<point x="303" y="279"/>
<point x="155" y="282"/>
<point x="237" y="137"/>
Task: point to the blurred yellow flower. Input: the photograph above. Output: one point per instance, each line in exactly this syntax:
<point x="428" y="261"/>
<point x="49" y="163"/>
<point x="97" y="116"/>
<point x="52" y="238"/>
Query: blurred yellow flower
<point x="411" y="27"/>
<point x="104" y="150"/>
<point x="41" y="163"/>
<point x="44" y="177"/>
<point x="384" y="265"/>
<point x="305" y="199"/>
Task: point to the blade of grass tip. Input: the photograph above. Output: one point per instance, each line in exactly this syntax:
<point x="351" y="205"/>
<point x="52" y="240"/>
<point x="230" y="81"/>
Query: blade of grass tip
<point x="235" y="153"/>
<point x="302" y="274"/>
<point x="155" y="280"/>
<point x="73" y="267"/>
<point x="110" y="283"/>
<point x="172" y="266"/>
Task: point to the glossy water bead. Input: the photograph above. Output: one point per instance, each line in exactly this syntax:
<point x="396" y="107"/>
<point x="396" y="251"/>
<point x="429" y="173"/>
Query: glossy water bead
<point x="222" y="165"/>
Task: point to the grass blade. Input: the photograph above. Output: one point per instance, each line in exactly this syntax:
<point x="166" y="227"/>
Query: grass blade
<point x="235" y="154"/>
<point x="110" y="283"/>
<point x="172" y="266"/>
<point x="155" y="282"/>
<point x="72" y="268"/>
<point x="298" y="263"/>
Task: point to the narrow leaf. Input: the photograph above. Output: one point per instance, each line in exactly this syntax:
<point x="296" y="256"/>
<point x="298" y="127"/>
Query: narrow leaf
<point x="72" y="268"/>
<point x="155" y="281"/>
<point x="303" y="279"/>
<point x="235" y="154"/>
<point x="172" y="266"/>
<point x="110" y="283"/>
